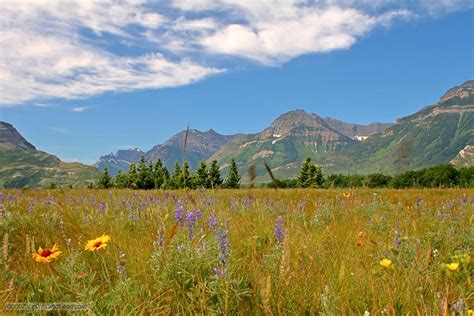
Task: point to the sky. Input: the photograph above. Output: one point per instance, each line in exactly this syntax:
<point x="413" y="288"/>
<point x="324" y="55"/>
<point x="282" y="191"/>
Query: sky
<point x="83" y="79"/>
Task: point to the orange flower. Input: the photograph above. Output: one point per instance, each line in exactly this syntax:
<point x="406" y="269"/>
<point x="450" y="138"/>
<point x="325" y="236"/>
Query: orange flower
<point x="360" y="244"/>
<point x="361" y="234"/>
<point x="98" y="243"/>
<point x="346" y="194"/>
<point x="46" y="255"/>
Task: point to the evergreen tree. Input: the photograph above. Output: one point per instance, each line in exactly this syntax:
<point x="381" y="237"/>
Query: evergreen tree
<point x="121" y="180"/>
<point x="233" y="178"/>
<point x="158" y="175"/>
<point x="166" y="178"/>
<point x="105" y="180"/>
<point x="186" y="179"/>
<point x="145" y="177"/>
<point x="215" y="179"/>
<point x="311" y="175"/>
<point x="176" y="177"/>
<point x="304" y="175"/>
<point x="202" y="176"/>
<point x="132" y="176"/>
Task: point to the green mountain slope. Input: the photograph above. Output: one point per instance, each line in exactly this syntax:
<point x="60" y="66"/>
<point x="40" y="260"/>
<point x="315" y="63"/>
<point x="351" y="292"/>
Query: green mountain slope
<point x="434" y="135"/>
<point x="284" y="145"/>
<point x="22" y="166"/>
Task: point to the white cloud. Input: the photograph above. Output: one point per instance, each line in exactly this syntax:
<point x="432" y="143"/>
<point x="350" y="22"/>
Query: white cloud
<point x="79" y="109"/>
<point x="76" y="49"/>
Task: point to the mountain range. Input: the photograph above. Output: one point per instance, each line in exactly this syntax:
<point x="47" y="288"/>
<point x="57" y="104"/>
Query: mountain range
<point x="439" y="133"/>
<point x="22" y="165"/>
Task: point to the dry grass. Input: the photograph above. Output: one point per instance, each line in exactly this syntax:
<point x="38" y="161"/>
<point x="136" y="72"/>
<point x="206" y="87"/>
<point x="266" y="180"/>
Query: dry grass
<point x="328" y="262"/>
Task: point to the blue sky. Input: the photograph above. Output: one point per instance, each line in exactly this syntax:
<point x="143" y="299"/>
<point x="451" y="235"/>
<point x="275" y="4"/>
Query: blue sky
<point x="82" y="86"/>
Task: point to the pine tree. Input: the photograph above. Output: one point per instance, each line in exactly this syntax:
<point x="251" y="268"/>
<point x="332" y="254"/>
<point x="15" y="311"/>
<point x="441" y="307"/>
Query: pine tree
<point x="166" y="178"/>
<point x="186" y="179"/>
<point x="145" y="177"/>
<point x="132" y="176"/>
<point x="233" y="178"/>
<point x="158" y="174"/>
<point x="121" y="180"/>
<point x="105" y="180"/>
<point x="202" y="176"/>
<point x="215" y="179"/>
<point x="176" y="177"/>
<point x="311" y="175"/>
<point x="303" y="178"/>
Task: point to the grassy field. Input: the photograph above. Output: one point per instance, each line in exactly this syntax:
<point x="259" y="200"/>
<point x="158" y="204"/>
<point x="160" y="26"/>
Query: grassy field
<point x="285" y="252"/>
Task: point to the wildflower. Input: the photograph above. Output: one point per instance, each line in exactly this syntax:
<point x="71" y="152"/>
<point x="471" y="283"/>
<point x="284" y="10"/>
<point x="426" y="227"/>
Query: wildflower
<point x="458" y="306"/>
<point x="98" y="243"/>
<point x="386" y="263"/>
<point x="346" y="194"/>
<point x="212" y="220"/>
<point x="223" y="246"/>
<point x="279" y="229"/>
<point x="179" y="213"/>
<point x="470" y="312"/>
<point x="217" y="271"/>
<point x="452" y="266"/>
<point x="360" y="244"/>
<point x="46" y="255"/>
<point x="362" y="234"/>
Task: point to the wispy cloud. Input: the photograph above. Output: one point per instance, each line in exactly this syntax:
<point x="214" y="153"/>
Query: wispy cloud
<point x="77" y="49"/>
<point x="79" y="109"/>
<point x="58" y="129"/>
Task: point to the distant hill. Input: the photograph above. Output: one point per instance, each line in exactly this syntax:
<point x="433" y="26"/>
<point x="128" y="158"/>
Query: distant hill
<point x="120" y="161"/>
<point x="21" y="165"/>
<point x="199" y="146"/>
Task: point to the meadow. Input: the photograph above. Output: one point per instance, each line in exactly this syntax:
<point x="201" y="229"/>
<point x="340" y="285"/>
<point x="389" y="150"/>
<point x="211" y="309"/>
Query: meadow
<point x="251" y="252"/>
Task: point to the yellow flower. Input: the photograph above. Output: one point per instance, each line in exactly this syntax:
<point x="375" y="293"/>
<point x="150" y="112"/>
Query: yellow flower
<point x="452" y="266"/>
<point x="346" y="194"/>
<point x="46" y="255"/>
<point x="470" y="312"/>
<point x="361" y="234"/>
<point x="386" y="263"/>
<point x="98" y="243"/>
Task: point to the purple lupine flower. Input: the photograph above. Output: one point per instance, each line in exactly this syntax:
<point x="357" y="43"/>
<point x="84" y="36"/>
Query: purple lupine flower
<point x="217" y="271"/>
<point x="101" y="207"/>
<point x="212" y="220"/>
<point x="279" y="229"/>
<point x="223" y="246"/>
<point x="179" y="213"/>
<point x="161" y="237"/>
<point x="198" y="214"/>
<point x="191" y="221"/>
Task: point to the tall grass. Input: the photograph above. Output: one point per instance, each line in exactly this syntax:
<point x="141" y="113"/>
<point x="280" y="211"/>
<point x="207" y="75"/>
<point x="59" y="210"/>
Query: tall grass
<point x="219" y="252"/>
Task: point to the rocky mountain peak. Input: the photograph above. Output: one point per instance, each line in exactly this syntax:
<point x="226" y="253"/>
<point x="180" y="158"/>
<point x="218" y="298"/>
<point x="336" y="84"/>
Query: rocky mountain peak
<point x="462" y="91"/>
<point x="11" y="139"/>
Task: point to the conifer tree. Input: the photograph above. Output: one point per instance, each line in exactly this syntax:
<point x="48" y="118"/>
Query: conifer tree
<point x="202" y="176"/>
<point x="145" y="177"/>
<point x="166" y="178"/>
<point x="186" y="179"/>
<point x="233" y="178"/>
<point x="121" y="180"/>
<point x="158" y="174"/>
<point x="132" y="176"/>
<point x="176" y="177"/>
<point x="303" y="178"/>
<point x="105" y="180"/>
<point x="215" y="179"/>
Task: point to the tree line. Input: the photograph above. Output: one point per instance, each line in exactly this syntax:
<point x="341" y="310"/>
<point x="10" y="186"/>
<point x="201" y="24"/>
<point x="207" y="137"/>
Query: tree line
<point x="145" y="176"/>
